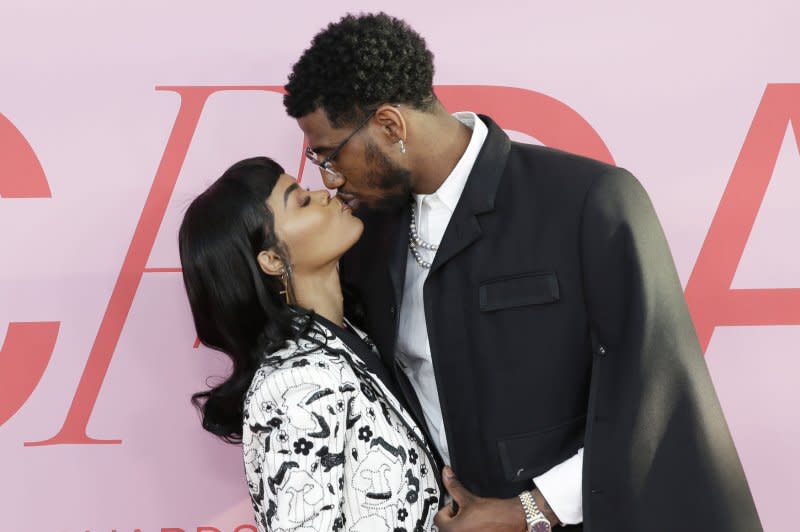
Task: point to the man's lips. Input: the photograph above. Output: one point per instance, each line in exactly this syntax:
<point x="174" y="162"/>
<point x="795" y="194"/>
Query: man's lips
<point x="349" y="200"/>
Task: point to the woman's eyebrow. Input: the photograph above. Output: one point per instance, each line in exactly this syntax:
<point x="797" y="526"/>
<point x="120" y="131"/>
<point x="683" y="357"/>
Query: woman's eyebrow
<point x="288" y="191"/>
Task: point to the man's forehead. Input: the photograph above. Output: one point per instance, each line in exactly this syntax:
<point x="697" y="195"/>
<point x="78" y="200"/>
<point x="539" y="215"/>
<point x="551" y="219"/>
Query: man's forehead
<point x="316" y="127"/>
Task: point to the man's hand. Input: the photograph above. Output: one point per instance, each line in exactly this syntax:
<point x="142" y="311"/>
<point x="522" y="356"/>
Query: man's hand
<point x="478" y="514"/>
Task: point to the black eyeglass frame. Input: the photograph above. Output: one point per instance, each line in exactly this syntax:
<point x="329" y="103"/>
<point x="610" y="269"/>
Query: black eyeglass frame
<point x="326" y="164"/>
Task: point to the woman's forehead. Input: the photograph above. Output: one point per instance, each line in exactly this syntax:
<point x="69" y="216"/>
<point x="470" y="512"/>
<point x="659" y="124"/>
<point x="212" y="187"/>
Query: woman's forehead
<point x="281" y="190"/>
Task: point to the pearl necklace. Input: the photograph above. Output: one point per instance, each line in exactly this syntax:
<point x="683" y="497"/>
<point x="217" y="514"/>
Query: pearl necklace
<point x="414" y="241"/>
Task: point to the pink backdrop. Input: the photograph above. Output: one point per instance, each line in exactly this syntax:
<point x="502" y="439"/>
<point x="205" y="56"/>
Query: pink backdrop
<point x="103" y="143"/>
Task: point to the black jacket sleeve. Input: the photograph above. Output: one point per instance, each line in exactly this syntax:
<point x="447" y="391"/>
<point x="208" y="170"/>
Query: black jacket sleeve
<point x="658" y="452"/>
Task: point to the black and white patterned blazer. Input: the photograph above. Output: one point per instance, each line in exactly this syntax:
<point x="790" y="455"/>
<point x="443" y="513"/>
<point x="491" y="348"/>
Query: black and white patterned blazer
<point x="327" y="446"/>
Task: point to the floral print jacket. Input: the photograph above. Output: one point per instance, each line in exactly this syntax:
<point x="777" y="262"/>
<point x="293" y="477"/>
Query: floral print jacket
<point x="327" y="446"/>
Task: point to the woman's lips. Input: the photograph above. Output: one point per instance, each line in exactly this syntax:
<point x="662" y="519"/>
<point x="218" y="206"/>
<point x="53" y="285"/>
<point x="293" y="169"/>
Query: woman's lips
<point x="343" y="206"/>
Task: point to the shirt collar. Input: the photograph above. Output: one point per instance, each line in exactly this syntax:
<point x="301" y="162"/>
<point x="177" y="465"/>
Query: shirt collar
<point x="449" y="192"/>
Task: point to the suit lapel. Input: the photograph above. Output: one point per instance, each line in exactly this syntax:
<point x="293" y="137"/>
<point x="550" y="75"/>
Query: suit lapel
<point x="462" y="231"/>
<point x="478" y="196"/>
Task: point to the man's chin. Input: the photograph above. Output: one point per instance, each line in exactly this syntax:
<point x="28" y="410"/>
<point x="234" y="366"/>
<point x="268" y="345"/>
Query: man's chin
<point x="388" y="203"/>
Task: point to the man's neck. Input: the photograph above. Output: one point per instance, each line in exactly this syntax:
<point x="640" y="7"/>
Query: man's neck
<point x="445" y="139"/>
<point x="321" y="291"/>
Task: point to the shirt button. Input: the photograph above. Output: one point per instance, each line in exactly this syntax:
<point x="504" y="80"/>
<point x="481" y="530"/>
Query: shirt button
<point x="601" y="350"/>
<point x="392" y="310"/>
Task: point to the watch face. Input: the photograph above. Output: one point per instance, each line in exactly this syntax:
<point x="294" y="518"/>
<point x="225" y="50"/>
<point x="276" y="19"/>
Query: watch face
<point x="541" y="526"/>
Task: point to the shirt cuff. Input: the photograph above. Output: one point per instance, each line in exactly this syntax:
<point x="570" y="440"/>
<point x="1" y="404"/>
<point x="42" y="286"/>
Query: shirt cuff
<point x="561" y="487"/>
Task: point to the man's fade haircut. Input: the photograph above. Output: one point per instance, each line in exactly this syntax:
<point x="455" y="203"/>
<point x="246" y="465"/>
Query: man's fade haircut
<point x="357" y="64"/>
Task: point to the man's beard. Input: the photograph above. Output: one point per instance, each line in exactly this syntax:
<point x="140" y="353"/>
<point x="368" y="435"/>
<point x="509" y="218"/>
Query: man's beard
<point x="392" y="181"/>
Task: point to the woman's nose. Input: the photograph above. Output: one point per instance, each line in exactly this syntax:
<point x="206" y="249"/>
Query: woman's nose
<point x="323" y="196"/>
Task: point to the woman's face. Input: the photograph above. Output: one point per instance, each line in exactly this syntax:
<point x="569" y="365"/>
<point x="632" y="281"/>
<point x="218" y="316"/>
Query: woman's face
<point x="316" y="228"/>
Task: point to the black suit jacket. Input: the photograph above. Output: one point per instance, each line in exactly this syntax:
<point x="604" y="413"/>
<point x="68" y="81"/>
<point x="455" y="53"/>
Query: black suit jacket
<point x="556" y="320"/>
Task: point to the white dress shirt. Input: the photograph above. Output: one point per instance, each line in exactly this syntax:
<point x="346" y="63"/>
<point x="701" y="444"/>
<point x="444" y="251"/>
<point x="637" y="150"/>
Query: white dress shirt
<point x="561" y="485"/>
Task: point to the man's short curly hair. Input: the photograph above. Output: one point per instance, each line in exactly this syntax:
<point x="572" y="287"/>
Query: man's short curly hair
<point x="358" y="63"/>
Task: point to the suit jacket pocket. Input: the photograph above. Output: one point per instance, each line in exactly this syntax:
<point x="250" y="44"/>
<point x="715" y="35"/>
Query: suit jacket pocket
<point x="528" y="455"/>
<point x="518" y="291"/>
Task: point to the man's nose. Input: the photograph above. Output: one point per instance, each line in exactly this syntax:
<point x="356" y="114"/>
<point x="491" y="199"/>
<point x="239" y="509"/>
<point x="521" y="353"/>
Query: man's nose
<point x="331" y="180"/>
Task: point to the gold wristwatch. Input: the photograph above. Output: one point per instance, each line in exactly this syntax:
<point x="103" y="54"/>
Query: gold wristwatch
<point x="536" y="520"/>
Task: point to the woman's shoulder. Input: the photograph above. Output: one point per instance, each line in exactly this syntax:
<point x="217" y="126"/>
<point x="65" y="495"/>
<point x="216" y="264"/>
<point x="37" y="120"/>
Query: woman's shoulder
<point x="294" y="370"/>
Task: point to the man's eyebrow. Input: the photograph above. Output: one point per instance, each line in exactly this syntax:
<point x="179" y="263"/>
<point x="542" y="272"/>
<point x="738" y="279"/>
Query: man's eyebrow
<point x="288" y="191"/>
<point x="320" y="149"/>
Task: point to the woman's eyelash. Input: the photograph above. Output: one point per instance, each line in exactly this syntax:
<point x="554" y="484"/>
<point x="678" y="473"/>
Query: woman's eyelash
<point x="306" y="200"/>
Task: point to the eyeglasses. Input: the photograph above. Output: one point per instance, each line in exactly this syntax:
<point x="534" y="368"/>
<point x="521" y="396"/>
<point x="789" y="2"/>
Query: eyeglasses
<point x="327" y="163"/>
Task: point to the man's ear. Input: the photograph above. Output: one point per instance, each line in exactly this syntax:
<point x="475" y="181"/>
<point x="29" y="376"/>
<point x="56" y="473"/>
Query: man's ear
<point x="270" y="263"/>
<point x="392" y="123"/>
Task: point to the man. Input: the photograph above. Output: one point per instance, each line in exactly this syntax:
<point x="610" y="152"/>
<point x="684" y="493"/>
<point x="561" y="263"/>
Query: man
<point x="525" y="299"/>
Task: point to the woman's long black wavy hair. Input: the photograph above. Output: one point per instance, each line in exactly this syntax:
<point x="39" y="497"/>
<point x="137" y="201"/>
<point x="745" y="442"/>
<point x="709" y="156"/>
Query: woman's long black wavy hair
<point x="237" y="308"/>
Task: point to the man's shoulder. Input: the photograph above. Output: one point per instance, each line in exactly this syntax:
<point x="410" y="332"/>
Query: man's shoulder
<point x="547" y="162"/>
<point x="564" y="177"/>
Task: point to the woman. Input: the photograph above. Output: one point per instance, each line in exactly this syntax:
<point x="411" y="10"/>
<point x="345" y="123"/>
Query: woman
<point x="327" y="446"/>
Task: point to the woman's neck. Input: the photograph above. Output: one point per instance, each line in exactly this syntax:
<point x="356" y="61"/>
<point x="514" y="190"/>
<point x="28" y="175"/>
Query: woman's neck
<point x="321" y="291"/>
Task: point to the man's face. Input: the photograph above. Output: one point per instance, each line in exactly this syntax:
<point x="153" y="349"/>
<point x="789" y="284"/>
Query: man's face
<point x="364" y="173"/>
